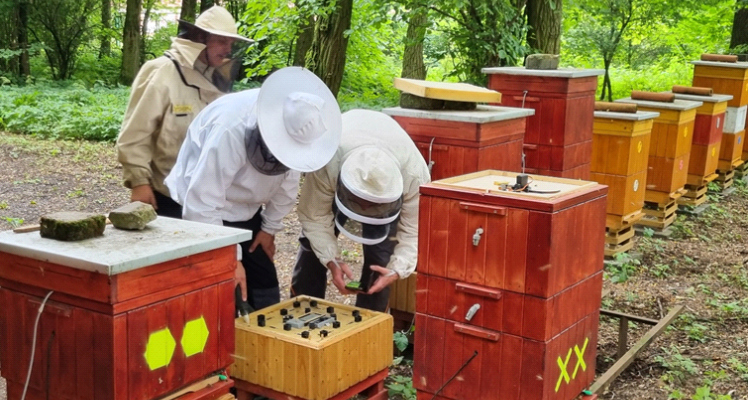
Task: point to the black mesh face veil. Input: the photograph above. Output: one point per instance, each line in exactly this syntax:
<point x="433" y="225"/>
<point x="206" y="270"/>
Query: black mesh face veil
<point x="361" y="220"/>
<point x="260" y="156"/>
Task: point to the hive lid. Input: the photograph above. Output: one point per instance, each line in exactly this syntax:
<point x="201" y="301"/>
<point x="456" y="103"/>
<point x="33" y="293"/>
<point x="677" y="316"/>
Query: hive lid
<point x="736" y="65"/>
<point x="715" y="98"/>
<point x="551" y="73"/>
<point x="677" y="105"/>
<point x="482" y="114"/>
<point x="448" y="91"/>
<point x="638" y="116"/>
<point x="119" y="251"/>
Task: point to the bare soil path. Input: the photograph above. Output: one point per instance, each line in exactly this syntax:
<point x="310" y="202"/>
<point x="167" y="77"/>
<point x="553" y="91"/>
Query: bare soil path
<point x="704" y="267"/>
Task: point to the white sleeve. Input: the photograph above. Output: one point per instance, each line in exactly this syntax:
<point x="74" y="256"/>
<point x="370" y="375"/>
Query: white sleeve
<point x="281" y="203"/>
<point x="405" y="255"/>
<point x="315" y="214"/>
<point x="219" y="161"/>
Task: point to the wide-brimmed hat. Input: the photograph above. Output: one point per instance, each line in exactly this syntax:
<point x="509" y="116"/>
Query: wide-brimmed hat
<point x="299" y="119"/>
<point x="217" y="21"/>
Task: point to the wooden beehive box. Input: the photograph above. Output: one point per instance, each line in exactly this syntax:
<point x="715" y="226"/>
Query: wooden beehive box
<point x="403" y="294"/>
<point x="670" y="146"/>
<point x="735" y="119"/>
<point x="707" y="136"/>
<point x="317" y="367"/>
<point x="459" y="142"/>
<point x="133" y="316"/>
<point x="731" y="150"/>
<point x="515" y="251"/>
<point x="564" y="101"/>
<point x="619" y="157"/>
<point x="724" y="78"/>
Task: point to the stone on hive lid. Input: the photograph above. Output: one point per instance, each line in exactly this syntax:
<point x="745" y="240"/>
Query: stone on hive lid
<point x="135" y="215"/>
<point x="72" y="225"/>
<point x="542" y="61"/>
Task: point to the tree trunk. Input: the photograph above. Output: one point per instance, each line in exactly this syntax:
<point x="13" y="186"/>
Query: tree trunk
<point x="144" y="28"/>
<point x="303" y="41"/>
<point x="24" y="68"/>
<point x="188" y="10"/>
<point x="131" y="42"/>
<point x="544" y="20"/>
<point x="740" y="27"/>
<point x="205" y="4"/>
<point x="413" y="66"/>
<point x="105" y="48"/>
<point x="327" y="54"/>
<point x="607" y="87"/>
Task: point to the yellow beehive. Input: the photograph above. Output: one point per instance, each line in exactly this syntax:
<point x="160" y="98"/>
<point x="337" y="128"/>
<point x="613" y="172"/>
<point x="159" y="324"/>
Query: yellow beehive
<point x="403" y="294"/>
<point x="317" y="367"/>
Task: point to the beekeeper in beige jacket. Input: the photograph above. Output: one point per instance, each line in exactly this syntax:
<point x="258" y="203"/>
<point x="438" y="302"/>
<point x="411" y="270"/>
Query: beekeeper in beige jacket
<point x="167" y="94"/>
<point x="369" y="192"/>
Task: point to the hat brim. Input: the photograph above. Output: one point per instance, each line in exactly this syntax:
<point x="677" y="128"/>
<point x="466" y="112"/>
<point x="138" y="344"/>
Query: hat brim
<point x="303" y="157"/>
<point x="217" y="32"/>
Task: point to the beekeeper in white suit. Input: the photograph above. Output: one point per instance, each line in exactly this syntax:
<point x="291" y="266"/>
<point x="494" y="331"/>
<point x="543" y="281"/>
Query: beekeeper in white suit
<point x="369" y="192"/>
<point x="240" y="165"/>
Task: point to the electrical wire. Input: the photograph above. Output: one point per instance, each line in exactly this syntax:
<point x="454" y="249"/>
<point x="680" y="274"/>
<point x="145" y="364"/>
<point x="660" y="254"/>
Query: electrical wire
<point x="475" y="353"/>
<point x="33" y="344"/>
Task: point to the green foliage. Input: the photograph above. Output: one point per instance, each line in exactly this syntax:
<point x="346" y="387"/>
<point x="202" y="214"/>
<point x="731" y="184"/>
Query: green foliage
<point x="623" y="267"/>
<point x="679" y="367"/>
<point x="160" y="41"/>
<point x="401" y="341"/>
<point x="68" y="111"/>
<point x="696" y="330"/>
<point x="401" y="386"/>
<point x="14" y="222"/>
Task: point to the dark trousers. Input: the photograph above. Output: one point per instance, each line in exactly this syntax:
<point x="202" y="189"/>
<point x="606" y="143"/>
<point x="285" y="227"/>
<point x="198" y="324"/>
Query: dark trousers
<point x="310" y="276"/>
<point x="167" y="207"/>
<point x="262" y="278"/>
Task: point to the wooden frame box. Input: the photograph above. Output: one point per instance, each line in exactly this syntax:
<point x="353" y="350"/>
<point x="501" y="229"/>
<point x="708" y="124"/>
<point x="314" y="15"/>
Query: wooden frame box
<point x="621" y="142"/>
<point x="581" y="172"/>
<point x="403" y="294"/>
<point x="710" y="117"/>
<point x="731" y="150"/>
<point x="625" y="193"/>
<point x="459" y="142"/>
<point x="724" y="78"/>
<point x="703" y="161"/>
<point x="317" y="367"/>
<point x="666" y="175"/>
<point x="504" y="366"/>
<point x="523" y="246"/>
<point x="133" y="316"/>
<point x="559" y="158"/>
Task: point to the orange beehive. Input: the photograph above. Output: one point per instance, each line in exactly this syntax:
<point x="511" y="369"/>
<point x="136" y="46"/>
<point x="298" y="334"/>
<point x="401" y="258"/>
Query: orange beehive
<point x="731" y="151"/>
<point x="501" y="274"/>
<point x="670" y="146"/>
<point x="707" y="137"/>
<point x="723" y="78"/>
<point x="460" y="142"/>
<point x="619" y="159"/>
<point x="559" y="135"/>
<point x="133" y="316"/>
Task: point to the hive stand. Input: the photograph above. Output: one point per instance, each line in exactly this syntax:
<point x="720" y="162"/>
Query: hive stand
<point x="726" y="78"/>
<point x="707" y="147"/>
<point x="558" y="141"/>
<point x="135" y="315"/>
<point x="506" y="293"/>
<point x="620" y="149"/>
<point x="309" y="348"/>
<point x="669" y="154"/>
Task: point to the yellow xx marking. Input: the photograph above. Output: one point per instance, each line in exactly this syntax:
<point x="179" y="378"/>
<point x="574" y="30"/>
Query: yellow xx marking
<point x="564" y="364"/>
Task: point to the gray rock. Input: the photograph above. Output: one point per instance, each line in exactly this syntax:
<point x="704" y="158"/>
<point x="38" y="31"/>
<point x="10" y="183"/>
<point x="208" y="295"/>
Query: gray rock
<point x="542" y="61"/>
<point x="135" y="215"/>
<point x="72" y="225"/>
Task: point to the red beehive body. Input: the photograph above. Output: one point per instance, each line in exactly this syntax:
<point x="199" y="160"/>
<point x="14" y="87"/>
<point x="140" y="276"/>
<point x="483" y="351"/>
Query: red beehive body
<point x="529" y="266"/>
<point x="460" y="142"/>
<point x="558" y="141"/>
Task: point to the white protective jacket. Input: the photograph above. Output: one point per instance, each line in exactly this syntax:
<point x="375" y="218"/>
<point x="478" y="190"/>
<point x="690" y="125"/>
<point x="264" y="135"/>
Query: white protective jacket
<point x="365" y="128"/>
<point x="160" y="110"/>
<point x="213" y="179"/>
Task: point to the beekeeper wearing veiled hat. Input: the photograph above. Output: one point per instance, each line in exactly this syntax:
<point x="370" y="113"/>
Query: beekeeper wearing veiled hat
<point x="240" y="165"/>
<point x="369" y="193"/>
<point x="167" y="94"/>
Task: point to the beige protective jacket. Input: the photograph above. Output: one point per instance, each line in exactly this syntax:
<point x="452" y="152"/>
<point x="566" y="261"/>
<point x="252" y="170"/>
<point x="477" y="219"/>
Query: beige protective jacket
<point x="162" y="105"/>
<point x="365" y="128"/>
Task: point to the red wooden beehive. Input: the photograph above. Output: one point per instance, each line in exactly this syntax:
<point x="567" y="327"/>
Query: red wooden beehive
<point x="558" y="141"/>
<point x="133" y="316"/>
<point x="530" y="266"/>
<point x="460" y="142"/>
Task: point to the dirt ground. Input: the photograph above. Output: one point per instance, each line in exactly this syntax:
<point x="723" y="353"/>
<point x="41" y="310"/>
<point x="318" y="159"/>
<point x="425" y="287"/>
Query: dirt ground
<point x="702" y="266"/>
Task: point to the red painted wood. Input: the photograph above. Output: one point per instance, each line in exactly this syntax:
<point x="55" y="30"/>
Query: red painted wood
<point x="707" y="129"/>
<point x="372" y="388"/>
<point x="210" y="392"/>
<point x="462" y="133"/>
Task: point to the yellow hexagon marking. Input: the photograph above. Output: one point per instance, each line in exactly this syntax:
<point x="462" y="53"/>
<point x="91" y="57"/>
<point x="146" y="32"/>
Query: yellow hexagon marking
<point x="160" y="349"/>
<point x="195" y="336"/>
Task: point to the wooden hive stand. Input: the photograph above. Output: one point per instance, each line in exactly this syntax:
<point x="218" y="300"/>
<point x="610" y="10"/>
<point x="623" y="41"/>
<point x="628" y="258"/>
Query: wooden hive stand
<point x="660" y="212"/>
<point x="620" y="149"/>
<point x="312" y="349"/>
<point x="558" y="141"/>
